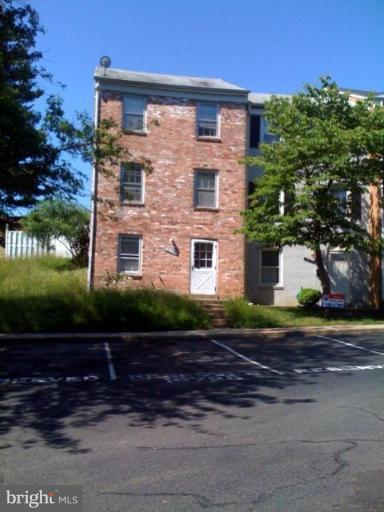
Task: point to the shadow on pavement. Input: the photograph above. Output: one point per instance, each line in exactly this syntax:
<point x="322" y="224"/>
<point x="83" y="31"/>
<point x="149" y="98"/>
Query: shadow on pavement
<point x="51" y="414"/>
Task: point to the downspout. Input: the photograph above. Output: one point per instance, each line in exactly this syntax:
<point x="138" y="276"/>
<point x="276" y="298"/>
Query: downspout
<point x="92" y="227"/>
<point x="246" y="178"/>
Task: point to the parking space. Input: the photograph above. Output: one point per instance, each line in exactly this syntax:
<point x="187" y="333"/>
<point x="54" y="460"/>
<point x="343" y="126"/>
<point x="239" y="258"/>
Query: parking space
<point x="314" y="354"/>
<point x="182" y="361"/>
<point x="51" y="362"/>
<point x="249" y="421"/>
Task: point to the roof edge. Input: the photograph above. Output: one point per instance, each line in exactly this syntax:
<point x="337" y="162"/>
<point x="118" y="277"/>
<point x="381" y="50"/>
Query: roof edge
<point x="235" y="91"/>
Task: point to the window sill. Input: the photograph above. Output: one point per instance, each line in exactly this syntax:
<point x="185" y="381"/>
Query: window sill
<point x="133" y="132"/>
<point x="131" y="276"/>
<point x="209" y="139"/>
<point x="126" y="203"/>
<point x="205" y="209"/>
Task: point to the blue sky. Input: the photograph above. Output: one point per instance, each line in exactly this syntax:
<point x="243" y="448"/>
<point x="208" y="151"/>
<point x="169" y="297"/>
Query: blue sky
<point x="263" y="45"/>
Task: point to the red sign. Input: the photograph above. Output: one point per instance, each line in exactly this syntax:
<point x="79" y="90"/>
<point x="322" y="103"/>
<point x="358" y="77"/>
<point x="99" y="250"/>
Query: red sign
<point x="334" y="300"/>
<point x="336" y="296"/>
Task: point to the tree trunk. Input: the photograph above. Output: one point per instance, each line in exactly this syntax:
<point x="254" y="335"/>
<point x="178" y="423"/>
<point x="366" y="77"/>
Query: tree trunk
<point x="375" y="229"/>
<point x="321" y="272"/>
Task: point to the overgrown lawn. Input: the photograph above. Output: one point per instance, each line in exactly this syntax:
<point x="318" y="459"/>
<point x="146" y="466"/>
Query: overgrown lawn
<point x="48" y="295"/>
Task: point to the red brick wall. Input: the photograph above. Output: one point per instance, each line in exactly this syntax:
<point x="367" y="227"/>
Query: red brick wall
<point x="174" y="152"/>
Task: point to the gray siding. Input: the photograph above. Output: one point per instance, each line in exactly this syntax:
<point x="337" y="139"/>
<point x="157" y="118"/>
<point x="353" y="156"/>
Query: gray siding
<point x="296" y="273"/>
<point x="349" y="274"/>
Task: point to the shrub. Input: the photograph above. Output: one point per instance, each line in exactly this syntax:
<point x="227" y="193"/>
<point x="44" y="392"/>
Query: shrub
<point x="308" y="297"/>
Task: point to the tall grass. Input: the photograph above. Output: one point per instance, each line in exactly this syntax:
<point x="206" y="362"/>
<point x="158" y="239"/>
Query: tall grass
<point x="47" y="294"/>
<point x="243" y="315"/>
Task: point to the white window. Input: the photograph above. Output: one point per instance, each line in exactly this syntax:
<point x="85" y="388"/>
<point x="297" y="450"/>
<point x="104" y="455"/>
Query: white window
<point x="270" y="267"/>
<point x="134" y="113"/>
<point x="205" y="189"/>
<point x="130" y="249"/>
<point x="132" y="183"/>
<point x="207" y="120"/>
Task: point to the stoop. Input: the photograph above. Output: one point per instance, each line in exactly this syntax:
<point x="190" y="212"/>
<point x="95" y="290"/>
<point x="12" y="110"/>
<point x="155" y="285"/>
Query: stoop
<point x="215" y="309"/>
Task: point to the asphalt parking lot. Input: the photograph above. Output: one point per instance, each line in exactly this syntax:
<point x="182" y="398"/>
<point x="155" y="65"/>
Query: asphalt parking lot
<point x="199" y="423"/>
<point x="194" y="360"/>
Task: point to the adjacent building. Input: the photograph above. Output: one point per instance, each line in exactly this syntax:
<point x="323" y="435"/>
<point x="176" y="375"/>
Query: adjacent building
<point x="169" y="217"/>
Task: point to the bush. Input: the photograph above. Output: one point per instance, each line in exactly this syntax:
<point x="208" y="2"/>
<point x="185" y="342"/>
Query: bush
<point x="308" y="297"/>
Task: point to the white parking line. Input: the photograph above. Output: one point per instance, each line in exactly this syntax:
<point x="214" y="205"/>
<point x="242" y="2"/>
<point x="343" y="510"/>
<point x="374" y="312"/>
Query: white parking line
<point x="49" y="380"/>
<point x="111" y="368"/>
<point x="351" y="345"/>
<point x="251" y="361"/>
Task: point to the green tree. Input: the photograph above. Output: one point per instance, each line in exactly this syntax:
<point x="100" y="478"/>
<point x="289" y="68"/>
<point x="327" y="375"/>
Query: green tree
<point x="37" y="148"/>
<point x="325" y="147"/>
<point x="61" y="219"/>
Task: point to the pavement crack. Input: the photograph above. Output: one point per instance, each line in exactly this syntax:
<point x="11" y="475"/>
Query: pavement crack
<point x="342" y="464"/>
<point x="337" y="455"/>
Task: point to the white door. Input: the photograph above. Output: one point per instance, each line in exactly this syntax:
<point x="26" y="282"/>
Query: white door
<point x="203" y="267"/>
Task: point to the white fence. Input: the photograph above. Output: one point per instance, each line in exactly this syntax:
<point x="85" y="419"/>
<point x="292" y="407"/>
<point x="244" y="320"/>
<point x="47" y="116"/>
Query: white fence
<point x="20" y="245"/>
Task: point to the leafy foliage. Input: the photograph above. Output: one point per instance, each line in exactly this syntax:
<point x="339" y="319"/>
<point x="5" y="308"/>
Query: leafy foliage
<point x="325" y="144"/>
<point x="61" y="219"/>
<point x="37" y="149"/>
<point x="308" y="297"/>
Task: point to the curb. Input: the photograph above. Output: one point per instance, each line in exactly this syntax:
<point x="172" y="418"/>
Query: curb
<point x="275" y="332"/>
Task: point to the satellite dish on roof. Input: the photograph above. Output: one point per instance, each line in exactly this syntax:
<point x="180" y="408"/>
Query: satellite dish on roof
<point x="105" y="62"/>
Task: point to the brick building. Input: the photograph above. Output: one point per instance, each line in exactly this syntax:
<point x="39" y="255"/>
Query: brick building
<point x="175" y="227"/>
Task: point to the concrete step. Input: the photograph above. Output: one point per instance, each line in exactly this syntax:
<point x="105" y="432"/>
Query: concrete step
<point x="213" y="307"/>
<point x="216" y="311"/>
<point x="219" y="322"/>
<point x="211" y="302"/>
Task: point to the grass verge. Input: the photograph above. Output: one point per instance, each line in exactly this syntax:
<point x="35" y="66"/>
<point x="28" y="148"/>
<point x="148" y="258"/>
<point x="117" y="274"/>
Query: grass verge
<point x="48" y="295"/>
<point x="242" y="315"/>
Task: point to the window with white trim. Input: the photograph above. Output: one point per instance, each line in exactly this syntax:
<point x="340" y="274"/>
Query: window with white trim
<point x="132" y="183"/>
<point x="130" y="253"/>
<point x="270" y="267"/>
<point x="205" y="189"/>
<point x="134" y="113"/>
<point x="207" y="120"/>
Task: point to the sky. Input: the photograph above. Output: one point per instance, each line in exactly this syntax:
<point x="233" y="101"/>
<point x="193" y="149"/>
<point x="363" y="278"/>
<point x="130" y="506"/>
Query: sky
<point x="262" y="45"/>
